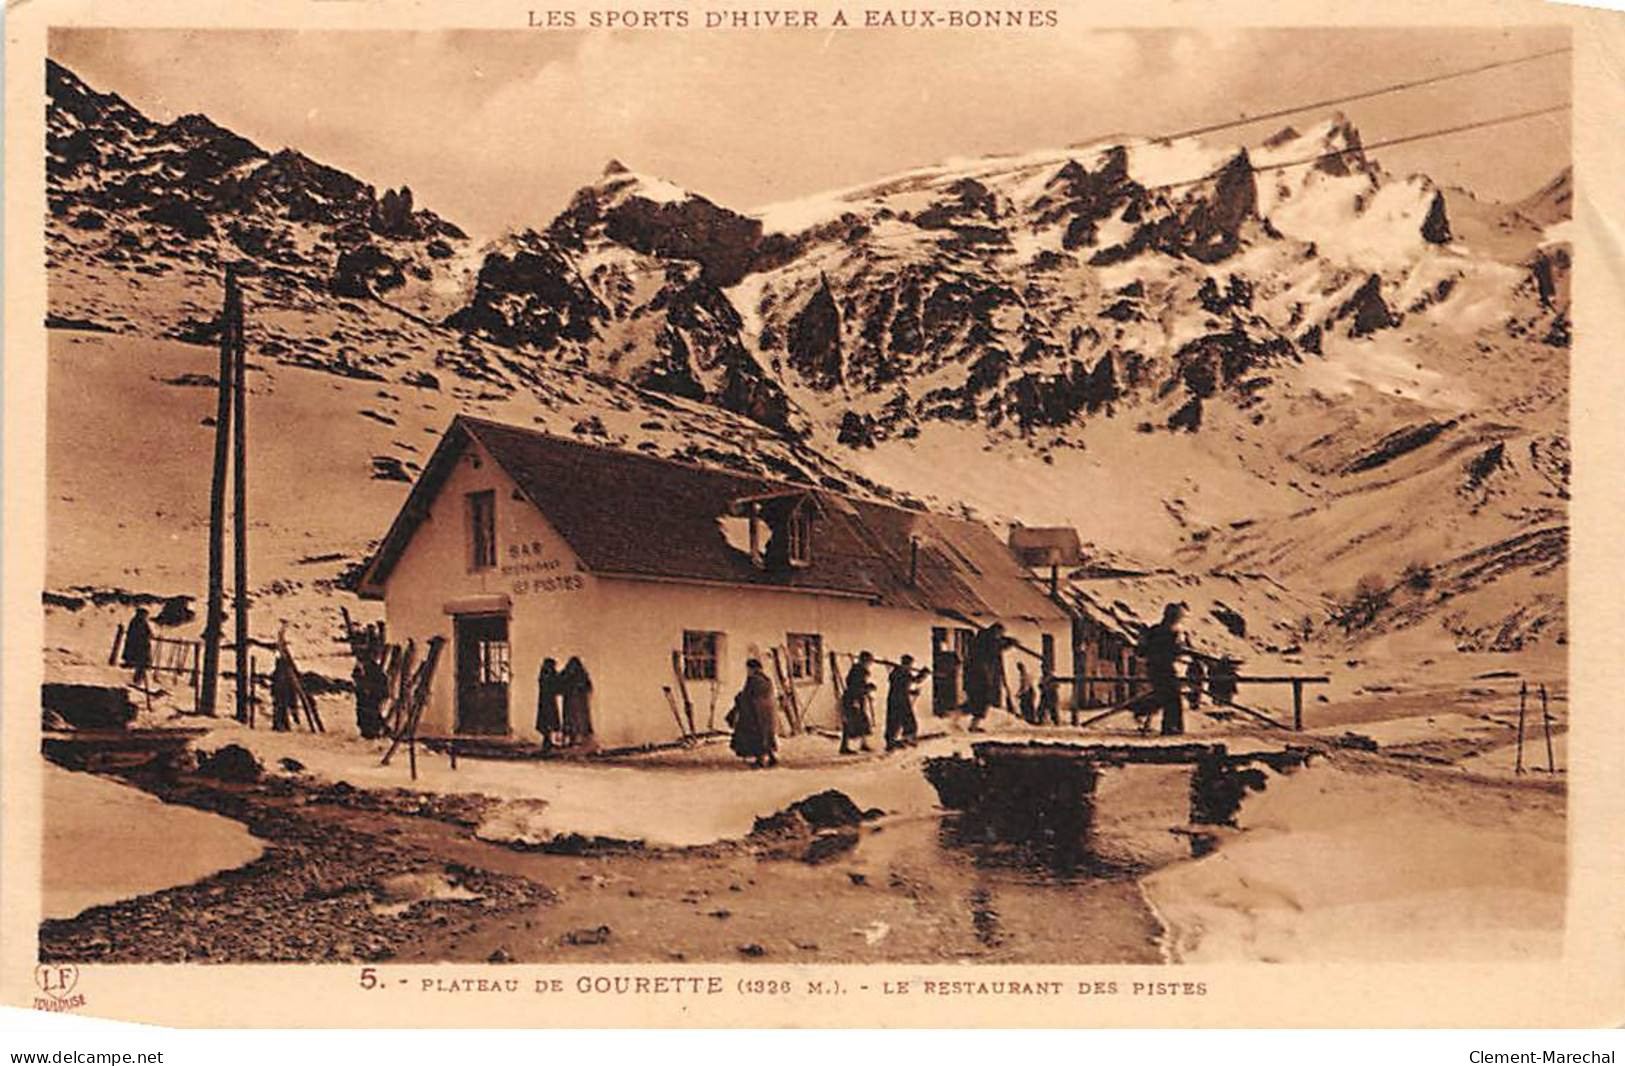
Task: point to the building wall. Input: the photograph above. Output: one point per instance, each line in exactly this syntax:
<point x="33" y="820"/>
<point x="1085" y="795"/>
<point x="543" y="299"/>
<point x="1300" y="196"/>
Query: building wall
<point x="644" y="623"/>
<point x="539" y="579"/>
<point x="625" y="629"/>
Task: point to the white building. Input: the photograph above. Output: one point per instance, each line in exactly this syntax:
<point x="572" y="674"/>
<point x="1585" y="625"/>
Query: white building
<point x="517" y="546"/>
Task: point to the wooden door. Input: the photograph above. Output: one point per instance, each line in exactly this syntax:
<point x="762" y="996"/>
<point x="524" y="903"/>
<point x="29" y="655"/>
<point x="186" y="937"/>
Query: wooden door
<point x="483" y="674"/>
<point x="944" y="673"/>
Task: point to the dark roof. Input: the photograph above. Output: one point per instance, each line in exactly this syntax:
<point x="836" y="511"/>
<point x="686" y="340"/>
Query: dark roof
<point x="1046" y="545"/>
<point x="624" y="513"/>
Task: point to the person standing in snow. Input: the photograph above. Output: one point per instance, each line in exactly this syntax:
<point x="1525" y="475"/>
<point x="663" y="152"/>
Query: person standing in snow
<point x="1026" y="695"/>
<point x="547" y="702"/>
<point x="1195" y="678"/>
<point x="855" y="722"/>
<point x="1222" y="681"/>
<point x="575" y="685"/>
<point x="754" y="736"/>
<point x="138" y="647"/>
<point x="1159" y="647"/>
<point x="284" y="691"/>
<point x="984" y="673"/>
<point x="1049" y="699"/>
<point x="901" y="726"/>
<point x="371" y="689"/>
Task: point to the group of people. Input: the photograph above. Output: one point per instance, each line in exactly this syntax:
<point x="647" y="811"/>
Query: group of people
<point x="1040" y="705"/>
<point x="985" y="684"/>
<point x="754" y="725"/>
<point x="563" y="704"/>
<point x="902" y="685"/>
<point x="755" y="728"/>
<point x="753" y="722"/>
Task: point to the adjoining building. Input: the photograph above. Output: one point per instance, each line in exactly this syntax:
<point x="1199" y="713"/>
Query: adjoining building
<point x="664" y="578"/>
<point x="1240" y="616"/>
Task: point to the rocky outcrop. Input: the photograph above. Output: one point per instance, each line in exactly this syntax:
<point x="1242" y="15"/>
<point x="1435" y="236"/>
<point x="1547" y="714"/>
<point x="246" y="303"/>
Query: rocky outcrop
<point x="814" y="341"/>
<point x="1210" y="229"/>
<point x="195" y="179"/>
<point x="1366" y="311"/>
<point x="1223" y="360"/>
<point x="1436" y="227"/>
<point x="703" y="355"/>
<point x="756" y="398"/>
<point x="530" y="296"/>
<point x="966" y="203"/>
<point x="621" y="208"/>
<point x="722" y="242"/>
<point x="364" y="271"/>
<point x="1082" y="199"/>
<point x="1341" y="150"/>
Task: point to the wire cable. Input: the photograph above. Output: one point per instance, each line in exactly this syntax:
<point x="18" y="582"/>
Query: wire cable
<point x="1366" y="94"/>
<point x="1388" y="142"/>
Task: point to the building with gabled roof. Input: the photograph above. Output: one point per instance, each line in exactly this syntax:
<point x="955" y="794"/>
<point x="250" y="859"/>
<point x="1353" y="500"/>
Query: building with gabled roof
<point x="515" y="546"/>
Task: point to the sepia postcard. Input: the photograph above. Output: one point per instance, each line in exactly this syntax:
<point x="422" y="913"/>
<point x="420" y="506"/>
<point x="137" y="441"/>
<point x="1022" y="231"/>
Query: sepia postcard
<point x="621" y="514"/>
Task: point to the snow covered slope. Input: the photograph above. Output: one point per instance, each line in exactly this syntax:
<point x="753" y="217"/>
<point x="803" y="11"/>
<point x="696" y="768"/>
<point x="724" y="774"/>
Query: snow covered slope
<point x="1272" y="358"/>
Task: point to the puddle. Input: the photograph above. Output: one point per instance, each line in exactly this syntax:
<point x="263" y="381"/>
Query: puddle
<point x="399" y="893"/>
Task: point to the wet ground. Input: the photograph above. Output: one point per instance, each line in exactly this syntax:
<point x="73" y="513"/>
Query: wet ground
<point x="350" y="875"/>
<point x="480" y="866"/>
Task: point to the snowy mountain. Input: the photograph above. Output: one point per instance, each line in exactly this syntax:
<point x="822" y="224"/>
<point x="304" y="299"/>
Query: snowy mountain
<point x="1272" y="358"/>
<point x="143" y="216"/>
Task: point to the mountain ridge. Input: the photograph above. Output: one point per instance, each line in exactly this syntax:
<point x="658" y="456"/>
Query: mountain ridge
<point x="1223" y="329"/>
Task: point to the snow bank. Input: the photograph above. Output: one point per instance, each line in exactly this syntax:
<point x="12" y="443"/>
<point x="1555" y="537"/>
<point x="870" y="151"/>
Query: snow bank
<point x="1344" y="866"/>
<point x="672" y="806"/>
<point x="105" y="841"/>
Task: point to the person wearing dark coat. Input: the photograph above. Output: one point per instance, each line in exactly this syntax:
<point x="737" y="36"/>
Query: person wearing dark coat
<point x="1195" y="678"/>
<point x="138" y="647"/>
<point x="754" y="735"/>
<point x="902" y="729"/>
<point x="547" y="702"/>
<point x="575" y="685"/>
<point x="371" y="689"/>
<point x="1160" y="647"/>
<point x="284" y="691"/>
<point x="1222" y="681"/>
<point x="984" y="673"/>
<point x="855" y="723"/>
<point x="1049" y="699"/>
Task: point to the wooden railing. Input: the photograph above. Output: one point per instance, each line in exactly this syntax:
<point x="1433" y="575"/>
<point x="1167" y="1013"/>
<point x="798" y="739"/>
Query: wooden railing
<point x="1297" y="681"/>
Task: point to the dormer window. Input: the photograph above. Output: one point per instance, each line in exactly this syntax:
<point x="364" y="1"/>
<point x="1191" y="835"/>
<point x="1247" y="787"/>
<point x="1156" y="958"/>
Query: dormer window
<point x="777" y="528"/>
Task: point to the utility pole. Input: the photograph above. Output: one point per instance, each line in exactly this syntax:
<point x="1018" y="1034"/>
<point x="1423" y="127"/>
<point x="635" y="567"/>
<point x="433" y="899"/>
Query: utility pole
<point x="239" y="467"/>
<point x="217" y="508"/>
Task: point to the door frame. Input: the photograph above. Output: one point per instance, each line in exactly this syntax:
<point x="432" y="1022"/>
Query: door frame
<point x="458" y="621"/>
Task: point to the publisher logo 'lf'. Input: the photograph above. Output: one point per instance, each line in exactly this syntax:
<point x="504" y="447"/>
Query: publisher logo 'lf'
<point x="57" y="981"/>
